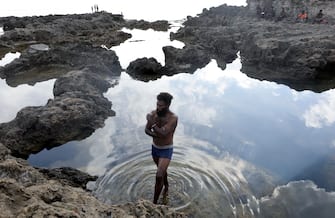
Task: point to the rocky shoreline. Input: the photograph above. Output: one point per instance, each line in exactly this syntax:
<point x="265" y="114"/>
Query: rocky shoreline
<point x="299" y="55"/>
<point x="69" y="48"/>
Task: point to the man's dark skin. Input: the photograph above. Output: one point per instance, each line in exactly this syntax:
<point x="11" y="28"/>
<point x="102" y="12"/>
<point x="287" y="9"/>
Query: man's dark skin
<point x="161" y="129"/>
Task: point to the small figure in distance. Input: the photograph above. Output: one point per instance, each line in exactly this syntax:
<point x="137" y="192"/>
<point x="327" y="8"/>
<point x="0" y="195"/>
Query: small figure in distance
<point x="319" y="18"/>
<point x="282" y="15"/>
<point x="302" y="17"/>
<point x="263" y="13"/>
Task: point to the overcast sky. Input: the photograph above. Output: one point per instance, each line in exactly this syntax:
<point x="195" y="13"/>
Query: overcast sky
<point x="147" y="9"/>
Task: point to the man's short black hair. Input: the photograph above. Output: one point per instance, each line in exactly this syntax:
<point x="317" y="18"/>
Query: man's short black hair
<point x="166" y="97"/>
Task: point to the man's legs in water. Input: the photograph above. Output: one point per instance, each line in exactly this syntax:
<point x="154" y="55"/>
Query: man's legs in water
<point x="161" y="177"/>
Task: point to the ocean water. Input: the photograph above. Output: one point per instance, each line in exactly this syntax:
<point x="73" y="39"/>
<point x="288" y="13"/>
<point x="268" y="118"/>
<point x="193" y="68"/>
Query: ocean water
<point x="243" y="147"/>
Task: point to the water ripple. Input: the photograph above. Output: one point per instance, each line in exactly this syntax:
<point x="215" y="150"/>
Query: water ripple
<point x="200" y="184"/>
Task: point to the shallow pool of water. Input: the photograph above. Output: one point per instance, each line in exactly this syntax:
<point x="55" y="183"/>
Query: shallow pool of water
<point x="146" y="43"/>
<point x="14" y="99"/>
<point x="237" y="140"/>
<point x="9" y="57"/>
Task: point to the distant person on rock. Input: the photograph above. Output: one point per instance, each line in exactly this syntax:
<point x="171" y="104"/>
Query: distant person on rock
<point x="263" y="13"/>
<point x="319" y="17"/>
<point x="96" y="8"/>
<point x="282" y="14"/>
<point x="302" y="17"/>
<point x="161" y="125"/>
<point x="271" y="13"/>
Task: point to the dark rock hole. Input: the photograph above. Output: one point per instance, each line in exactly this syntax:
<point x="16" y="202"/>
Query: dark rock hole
<point x="326" y="72"/>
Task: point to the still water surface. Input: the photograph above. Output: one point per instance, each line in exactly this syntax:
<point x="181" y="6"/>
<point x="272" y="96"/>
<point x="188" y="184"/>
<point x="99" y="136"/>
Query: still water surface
<point x="146" y="43"/>
<point x="14" y="99"/>
<point x="237" y="139"/>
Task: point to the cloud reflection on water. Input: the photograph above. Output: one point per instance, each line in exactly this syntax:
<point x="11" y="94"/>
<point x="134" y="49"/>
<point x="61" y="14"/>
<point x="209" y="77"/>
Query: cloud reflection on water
<point x="9" y="57"/>
<point x="258" y="121"/>
<point x="14" y="99"/>
<point x="145" y="43"/>
<point x="322" y="113"/>
<point x="246" y="120"/>
<point x="299" y="199"/>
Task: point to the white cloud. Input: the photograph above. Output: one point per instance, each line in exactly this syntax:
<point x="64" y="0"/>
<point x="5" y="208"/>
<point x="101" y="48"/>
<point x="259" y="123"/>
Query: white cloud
<point x="14" y="99"/>
<point x="201" y="114"/>
<point x="298" y="199"/>
<point x="323" y="113"/>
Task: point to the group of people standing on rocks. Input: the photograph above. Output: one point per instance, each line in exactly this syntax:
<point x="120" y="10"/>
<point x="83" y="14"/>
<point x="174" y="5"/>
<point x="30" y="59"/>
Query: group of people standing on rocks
<point x="319" y="18"/>
<point x="269" y="13"/>
<point x="95" y="8"/>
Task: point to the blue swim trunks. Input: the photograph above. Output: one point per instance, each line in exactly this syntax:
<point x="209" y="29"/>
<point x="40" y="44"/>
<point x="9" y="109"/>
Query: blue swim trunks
<point x="162" y="151"/>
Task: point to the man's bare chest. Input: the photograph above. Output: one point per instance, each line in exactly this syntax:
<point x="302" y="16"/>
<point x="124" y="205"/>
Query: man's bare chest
<point x="161" y="121"/>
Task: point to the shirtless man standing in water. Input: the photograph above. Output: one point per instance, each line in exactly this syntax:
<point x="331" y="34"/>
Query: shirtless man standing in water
<point x="161" y="125"/>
